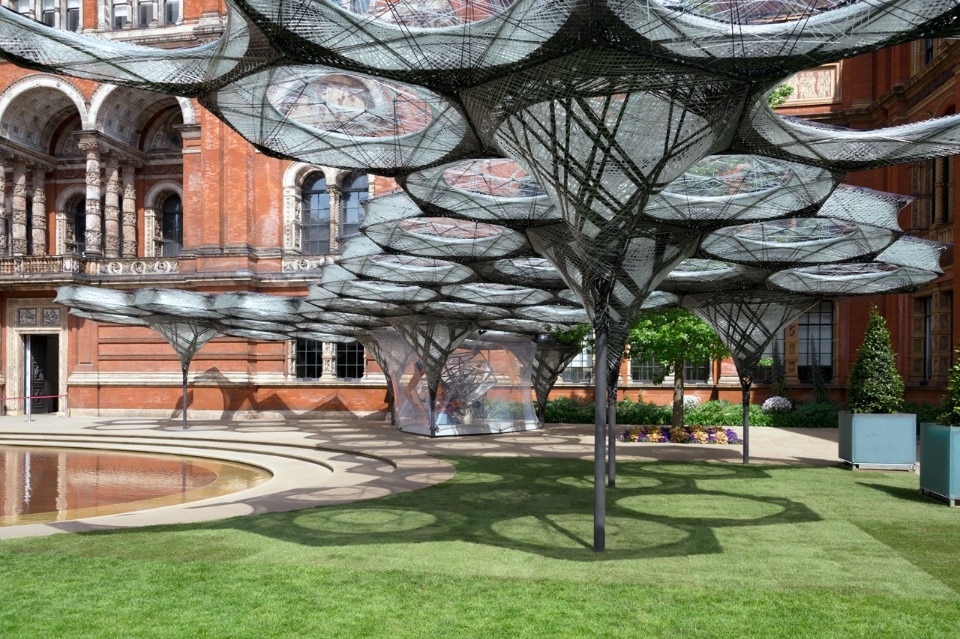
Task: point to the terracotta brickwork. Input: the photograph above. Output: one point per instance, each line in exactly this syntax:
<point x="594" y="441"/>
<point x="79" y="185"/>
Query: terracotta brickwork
<point x="115" y="161"/>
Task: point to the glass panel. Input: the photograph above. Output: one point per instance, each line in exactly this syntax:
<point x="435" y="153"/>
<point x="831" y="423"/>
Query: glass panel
<point x="73" y="16"/>
<point x="146" y="14"/>
<point x="643" y="369"/>
<point x="172" y="226"/>
<point x="48" y="15"/>
<point x="580" y="369"/>
<point x="815" y="330"/>
<point x="80" y="226"/>
<point x="309" y="359"/>
<point x="171" y="11"/>
<point x="696" y="372"/>
<point x="121" y="16"/>
<point x="350" y="361"/>
<point x="355" y="193"/>
<point x="315" y="218"/>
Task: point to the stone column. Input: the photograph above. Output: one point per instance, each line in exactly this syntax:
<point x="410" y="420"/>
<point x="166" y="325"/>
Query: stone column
<point x="93" y="236"/>
<point x="38" y="216"/>
<point x="111" y="209"/>
<point x="129" y="211"/>
<point x="4" y="220"/>
<point x="152" y="242"/>
<point x="329" y="360"/>
<point x="62" y="243"/>
<point x="18" y="228"/>
<point x="335" y="195"/>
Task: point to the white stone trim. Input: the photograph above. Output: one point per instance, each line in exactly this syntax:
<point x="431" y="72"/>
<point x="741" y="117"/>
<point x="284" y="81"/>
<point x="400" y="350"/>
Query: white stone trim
<point x="14" y="371"/>
<point x="44" y="81"/>
<point x="99" y="99"/>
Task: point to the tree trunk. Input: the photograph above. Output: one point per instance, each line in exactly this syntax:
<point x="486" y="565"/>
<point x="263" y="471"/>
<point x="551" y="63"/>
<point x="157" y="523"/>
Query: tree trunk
<point x="678" y="394"/>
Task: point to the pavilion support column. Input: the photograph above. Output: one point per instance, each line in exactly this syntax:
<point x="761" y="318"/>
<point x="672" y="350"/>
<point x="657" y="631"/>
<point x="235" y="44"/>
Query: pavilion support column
<point x="601" y="328"/>
<point x="93" y="237"/>
<point x="18" y="228"/>
<point x="612" y="384"/>
<point x="38" y="214"/>
<point x="745" y="382"/>
<point x="129" y="211"/>
<point x="111" y="209"/>
<point x="4" y="219"/>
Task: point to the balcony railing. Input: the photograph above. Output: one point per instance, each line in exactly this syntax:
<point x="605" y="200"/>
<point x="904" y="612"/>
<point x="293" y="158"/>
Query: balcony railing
<point x="61" y="265"/>
<point x="40" y="265"/>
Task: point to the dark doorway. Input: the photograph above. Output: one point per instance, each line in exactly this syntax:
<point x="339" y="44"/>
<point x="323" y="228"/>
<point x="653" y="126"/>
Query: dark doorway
<point x="42" y="359"/>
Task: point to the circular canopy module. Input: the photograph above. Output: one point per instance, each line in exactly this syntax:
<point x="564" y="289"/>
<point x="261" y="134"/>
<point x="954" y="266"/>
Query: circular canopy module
<point x="812" y="240"/>
<point x="488" y="190"/>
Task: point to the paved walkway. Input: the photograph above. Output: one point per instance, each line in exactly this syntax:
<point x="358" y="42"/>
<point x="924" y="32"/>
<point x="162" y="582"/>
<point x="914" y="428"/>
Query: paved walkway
<point x="317" y="462"/>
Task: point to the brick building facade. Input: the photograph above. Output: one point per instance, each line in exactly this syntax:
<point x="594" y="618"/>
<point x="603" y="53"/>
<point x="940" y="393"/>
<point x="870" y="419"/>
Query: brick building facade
<point x="123" y="188"/>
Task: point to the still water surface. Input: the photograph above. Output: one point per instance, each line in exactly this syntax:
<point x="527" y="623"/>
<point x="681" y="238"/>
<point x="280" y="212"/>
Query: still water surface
<point x="39" y="485"/>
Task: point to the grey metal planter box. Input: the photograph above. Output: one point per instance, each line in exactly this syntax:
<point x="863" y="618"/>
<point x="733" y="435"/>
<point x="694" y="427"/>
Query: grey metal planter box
<point x="887" y="442"/>
<point x="940" y="462"/>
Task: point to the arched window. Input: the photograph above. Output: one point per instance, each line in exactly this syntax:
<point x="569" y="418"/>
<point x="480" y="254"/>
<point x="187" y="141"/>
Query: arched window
<point x="171" y="226"/>
<point x="354" y="194"/>
<point x="315" y="217"/>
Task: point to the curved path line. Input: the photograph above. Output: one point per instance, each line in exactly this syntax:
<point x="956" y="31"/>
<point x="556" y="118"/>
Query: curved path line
<point x="305" y="474"/>
<point x="368" y="459"/>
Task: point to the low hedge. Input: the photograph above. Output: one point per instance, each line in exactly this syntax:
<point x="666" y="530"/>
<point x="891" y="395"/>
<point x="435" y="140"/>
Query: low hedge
<point x="577" y="410"/>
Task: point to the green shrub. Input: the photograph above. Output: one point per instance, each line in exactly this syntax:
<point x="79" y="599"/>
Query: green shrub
<point x="723" y="413"/>
<point x="926" y="413"/>
<point x="950" y="414"/>
<point x="807" y="415"/>
<point x="503" y="409"/>
<point x="643" y="413"/>
<point x="566" y="410"/>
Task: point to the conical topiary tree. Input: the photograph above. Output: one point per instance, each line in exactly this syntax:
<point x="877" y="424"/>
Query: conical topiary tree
<point x="875" y="385"/>
<point x="778" y="377"/>
<point x="951" y="403"/>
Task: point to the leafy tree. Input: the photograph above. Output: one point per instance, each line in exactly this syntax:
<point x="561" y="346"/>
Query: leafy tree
<point x="575" y="334"/>
<point x="779" y="96"/>
<point x="673" y="337"/>
<point x="875" y="385"/>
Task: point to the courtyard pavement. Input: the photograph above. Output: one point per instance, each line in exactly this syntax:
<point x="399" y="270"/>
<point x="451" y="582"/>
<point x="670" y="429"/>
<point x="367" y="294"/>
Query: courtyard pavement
<point x="329" y="461"/>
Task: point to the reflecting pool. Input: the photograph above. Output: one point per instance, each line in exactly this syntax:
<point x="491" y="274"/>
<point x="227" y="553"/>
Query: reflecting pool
<point x="39" y="485"/>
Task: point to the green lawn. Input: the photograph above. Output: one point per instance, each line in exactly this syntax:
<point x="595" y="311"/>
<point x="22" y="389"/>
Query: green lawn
<point x="503" y="550"/>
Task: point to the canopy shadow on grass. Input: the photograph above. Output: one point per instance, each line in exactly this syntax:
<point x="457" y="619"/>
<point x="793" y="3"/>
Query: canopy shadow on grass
<point x="545" y="508"/>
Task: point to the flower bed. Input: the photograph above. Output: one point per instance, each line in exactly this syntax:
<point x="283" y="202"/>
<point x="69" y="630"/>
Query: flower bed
<point x="682" y="435"/>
